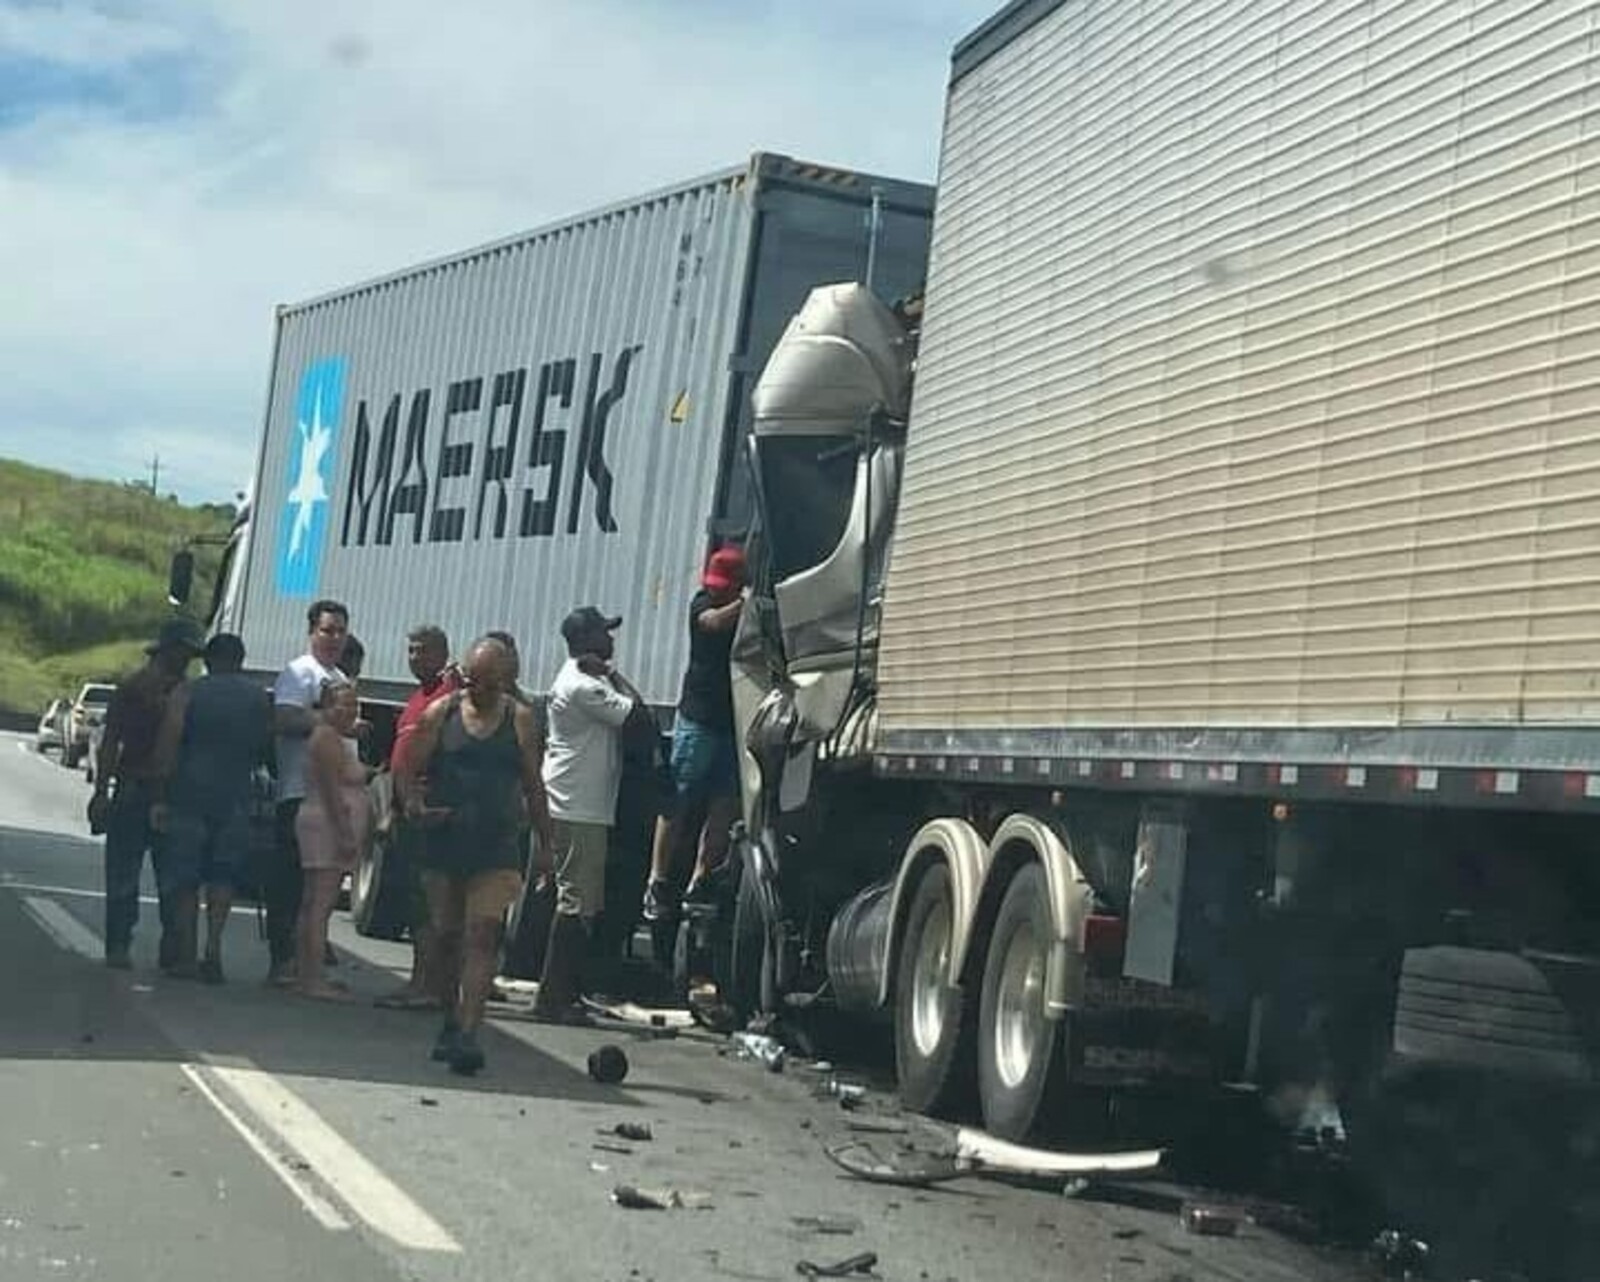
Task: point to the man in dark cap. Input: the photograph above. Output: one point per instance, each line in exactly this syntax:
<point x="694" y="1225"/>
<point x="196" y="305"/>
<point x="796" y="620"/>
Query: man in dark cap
<point x="590" y="702"/>
<point x="126" y="785"/>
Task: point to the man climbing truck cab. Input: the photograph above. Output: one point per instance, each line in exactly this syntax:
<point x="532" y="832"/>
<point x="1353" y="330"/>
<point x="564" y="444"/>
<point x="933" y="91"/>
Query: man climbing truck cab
<point x="1225" y="711"/>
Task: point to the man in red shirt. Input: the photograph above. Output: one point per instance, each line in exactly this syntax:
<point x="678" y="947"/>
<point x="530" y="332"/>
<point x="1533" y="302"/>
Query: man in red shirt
<point x="428" y="653"/>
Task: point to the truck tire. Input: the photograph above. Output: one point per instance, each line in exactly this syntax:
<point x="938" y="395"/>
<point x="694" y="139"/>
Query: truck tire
<point x="379" y="895"/>
<point x="752" y="987"/>
<point x="1476" y="1009"/>
<point x="1024" y="1058"/>
<point x="1021" y="1054"/>
<point x="933" y="1023"/>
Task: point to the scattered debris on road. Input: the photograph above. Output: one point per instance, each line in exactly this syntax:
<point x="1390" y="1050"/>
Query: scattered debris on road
<point x="757" y="1046"/>
<point x="632" y="1198"/>
<point x="1210" y="1221"/>
<point x="906" y="1167"/>
<point x="834" y="1225"/>
<point x="608" y="1065"/>
<point x="1400" y="1255"/>
<point x="639" y="1132"/>
<point x="860" y="1127"/>
<point x="851" y="1095"/>
<point x="866" y="1262"/>
<point x="429" y="1102"/>
<point x="937" y="1155"/>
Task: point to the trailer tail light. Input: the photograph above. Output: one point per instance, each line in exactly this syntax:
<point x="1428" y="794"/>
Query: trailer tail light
<point x="1104" y="937"/>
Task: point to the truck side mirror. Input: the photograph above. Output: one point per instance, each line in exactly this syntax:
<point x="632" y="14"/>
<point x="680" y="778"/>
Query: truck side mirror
<point x="180" y="577"/>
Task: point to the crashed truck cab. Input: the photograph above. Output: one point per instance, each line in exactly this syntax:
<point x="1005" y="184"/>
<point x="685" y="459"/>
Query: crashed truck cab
<point x="825" y="449"/>
<point x="886" y="897"/>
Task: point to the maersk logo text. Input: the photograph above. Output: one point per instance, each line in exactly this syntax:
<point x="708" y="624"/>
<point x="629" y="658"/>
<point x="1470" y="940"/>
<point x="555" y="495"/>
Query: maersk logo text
<point x="303" y="523"/>
<point x="514" y="455"/>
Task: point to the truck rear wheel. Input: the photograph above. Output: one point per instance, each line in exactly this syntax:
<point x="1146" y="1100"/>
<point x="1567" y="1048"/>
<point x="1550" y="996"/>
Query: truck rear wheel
<point x="932" y="1018"/>
<point x="1023" y="1057"/>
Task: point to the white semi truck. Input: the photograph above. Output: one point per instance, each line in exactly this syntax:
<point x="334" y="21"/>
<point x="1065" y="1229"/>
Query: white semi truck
<point x="1197" y="678"/>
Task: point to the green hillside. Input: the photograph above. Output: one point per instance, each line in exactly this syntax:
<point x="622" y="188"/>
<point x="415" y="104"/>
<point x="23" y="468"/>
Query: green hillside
<point x="83" y="577"/>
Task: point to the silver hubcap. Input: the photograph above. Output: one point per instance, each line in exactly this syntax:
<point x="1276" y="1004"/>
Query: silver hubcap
<point x="1019" y="1008"/>
<point x="927" y="981"/>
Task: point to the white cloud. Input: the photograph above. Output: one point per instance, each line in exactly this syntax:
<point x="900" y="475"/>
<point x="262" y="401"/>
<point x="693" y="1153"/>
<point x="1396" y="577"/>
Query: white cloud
<point x="275" y="151"/>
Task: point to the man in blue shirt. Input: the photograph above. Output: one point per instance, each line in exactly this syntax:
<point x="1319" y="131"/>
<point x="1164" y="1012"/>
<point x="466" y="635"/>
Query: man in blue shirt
<point x="216" y="732"/>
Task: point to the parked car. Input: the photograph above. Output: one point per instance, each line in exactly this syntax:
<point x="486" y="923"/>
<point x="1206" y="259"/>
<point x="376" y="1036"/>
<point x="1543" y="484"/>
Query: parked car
<point x="52" y="732"/>
<point x="88" y="711"/>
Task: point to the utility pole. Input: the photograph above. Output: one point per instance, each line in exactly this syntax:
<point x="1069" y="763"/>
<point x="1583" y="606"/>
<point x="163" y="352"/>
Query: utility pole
<point x="155" y="474"/>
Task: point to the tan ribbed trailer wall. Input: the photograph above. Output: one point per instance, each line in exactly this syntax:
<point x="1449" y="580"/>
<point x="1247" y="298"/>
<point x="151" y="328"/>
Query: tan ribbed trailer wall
<point x="1260" y="377"/>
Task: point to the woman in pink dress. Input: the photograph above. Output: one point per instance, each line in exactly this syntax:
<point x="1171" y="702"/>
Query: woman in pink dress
<point x="331" y="827"/>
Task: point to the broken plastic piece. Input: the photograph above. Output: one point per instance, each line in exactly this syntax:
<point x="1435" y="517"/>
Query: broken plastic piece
<point x="757" y="1046"/>
<point x="1210" y="1221"/>
<point x="863" y="1263"/>
<point x="632" y="1198"/>
<point x="1400" y="1255"/>
<point x="838" y="1225"/>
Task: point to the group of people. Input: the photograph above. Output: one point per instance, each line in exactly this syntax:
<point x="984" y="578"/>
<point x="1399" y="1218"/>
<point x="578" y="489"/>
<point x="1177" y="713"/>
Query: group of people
<point x="484" y="796"/>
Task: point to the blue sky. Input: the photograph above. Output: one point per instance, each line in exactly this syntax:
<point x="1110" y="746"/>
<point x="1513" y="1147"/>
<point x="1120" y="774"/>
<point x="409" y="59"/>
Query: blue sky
<point x="172" y="169"/>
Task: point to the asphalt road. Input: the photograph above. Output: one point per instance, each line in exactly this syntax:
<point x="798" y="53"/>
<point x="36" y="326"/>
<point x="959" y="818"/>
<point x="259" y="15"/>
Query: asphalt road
<point x="162" y="1129"/>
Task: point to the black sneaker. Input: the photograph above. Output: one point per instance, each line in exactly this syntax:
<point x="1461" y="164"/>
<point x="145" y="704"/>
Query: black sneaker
<point x="466" y="1057"/>
<point x="211" y="971"/>
<point x="118" y="959"/>
<point x="444" y="1049"/>
<point x="656" y="895"/>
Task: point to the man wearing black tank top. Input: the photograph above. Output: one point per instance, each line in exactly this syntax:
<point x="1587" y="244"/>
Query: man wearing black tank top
<point x="480" y="753"/>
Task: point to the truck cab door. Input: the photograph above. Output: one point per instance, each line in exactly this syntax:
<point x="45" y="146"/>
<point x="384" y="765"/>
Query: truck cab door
<point x="829" y="415"/>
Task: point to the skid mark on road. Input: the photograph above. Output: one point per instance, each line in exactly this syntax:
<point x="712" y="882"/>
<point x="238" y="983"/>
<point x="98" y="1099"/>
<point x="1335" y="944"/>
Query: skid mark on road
<point x="354" y="1180"/>
<point x="63" y="927"/>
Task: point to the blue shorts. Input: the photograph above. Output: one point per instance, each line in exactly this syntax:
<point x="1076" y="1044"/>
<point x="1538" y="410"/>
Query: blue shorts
<point x="704" y="767"/>
<point x="204" y="850"/>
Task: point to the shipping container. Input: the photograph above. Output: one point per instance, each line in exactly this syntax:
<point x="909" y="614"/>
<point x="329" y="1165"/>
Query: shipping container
<point x="552" y="420"/>
<point x="1256" y="391"/>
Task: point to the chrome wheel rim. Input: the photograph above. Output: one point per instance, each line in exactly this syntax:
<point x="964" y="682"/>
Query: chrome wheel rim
<point x="931" y="965"/>
<point x="1019" y="1008"/>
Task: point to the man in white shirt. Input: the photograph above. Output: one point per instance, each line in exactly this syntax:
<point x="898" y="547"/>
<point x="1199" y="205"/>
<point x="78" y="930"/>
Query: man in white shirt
<point x="294" y="698"/>
<point x="589" y="704"/>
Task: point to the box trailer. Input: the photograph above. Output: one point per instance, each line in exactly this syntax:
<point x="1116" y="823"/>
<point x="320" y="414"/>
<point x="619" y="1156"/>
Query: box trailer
<point x="1193" y="679"/>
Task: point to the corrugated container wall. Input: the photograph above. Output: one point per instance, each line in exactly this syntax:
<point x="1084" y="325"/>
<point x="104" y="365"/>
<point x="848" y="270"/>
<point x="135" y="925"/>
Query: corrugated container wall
<point x="490" y="440"/>
<point x="1260" y="372"/>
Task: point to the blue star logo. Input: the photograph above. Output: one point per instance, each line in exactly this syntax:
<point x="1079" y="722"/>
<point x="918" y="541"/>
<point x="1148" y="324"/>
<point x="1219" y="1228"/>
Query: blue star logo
<point x="303" y="521"/>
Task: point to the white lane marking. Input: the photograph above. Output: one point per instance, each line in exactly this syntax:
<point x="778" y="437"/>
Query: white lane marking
<point x="360" y="1185"/>
<point x="320" y="1208"/>
<point x="80" y="893"/>
<point x="63" y="927"/>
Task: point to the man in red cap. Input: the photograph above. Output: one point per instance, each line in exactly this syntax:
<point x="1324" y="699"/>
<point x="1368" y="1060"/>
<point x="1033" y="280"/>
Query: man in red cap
<point x="705" y="769"/>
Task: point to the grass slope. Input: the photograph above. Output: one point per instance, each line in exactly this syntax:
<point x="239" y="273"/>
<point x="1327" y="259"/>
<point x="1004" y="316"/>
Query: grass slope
<point x="83" y="573"/>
